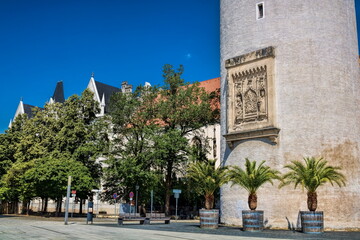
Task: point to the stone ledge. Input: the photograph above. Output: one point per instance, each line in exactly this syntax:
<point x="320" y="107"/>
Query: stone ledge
<point x="249" y="57"/>
<point x="270" y="133"/>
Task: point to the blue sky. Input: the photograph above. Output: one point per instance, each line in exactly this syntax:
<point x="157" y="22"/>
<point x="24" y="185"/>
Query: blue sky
<point x="45" y="41"/>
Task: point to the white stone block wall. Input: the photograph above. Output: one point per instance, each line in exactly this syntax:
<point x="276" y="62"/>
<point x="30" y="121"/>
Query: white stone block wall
<point x="317" y="97"/>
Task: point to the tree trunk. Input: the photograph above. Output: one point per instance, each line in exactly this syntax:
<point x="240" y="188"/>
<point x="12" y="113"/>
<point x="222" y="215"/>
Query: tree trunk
<point x="58" y="206"/>
<point x="167" y="196"/>
<point x="24" y="209"/>
<point x="46" y="204"/>
<point x="27" y="207"/>
<point x="15" y="207"/>
<point x="252" y="201"/>
<point x="80" y="207"/>
<point x="42" y="204"/>
<point x="209" y="201"/>
<point x="312" y="201"/>
<point x="168" y="185"/>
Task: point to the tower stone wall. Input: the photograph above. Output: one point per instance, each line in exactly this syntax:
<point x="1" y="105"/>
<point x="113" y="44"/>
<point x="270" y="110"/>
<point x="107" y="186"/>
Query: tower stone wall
<point x="308" y="102"/>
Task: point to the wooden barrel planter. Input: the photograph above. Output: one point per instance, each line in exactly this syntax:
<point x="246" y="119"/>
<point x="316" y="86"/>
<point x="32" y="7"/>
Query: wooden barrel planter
<point x="312" y="222"/>
<point x="209" y="218"/>
<point x="253" y="221"/>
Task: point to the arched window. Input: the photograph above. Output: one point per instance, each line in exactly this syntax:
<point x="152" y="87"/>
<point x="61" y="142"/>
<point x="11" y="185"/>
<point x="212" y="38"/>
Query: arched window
<point x="198" y="151"/>
<point x="196" y="141"/>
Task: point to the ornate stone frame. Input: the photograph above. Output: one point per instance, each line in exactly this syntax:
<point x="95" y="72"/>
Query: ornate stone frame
<point x="251" y="100"/>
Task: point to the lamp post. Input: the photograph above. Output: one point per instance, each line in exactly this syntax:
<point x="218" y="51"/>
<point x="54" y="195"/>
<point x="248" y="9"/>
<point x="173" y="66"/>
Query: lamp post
<point x="67" y="200"/>
<point x="97" y="191"/>
<point x="152" y="196"/>
<point x="136" y="201"/>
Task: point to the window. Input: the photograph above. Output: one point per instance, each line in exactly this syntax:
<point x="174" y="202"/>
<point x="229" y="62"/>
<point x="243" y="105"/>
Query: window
<point x="260" y="13"/>
<point x="198" y="152"/>
<point x="214" y="144"/>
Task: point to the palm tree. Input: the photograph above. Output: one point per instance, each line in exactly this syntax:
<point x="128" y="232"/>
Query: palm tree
<point x="252" y="178"/>
<point x="207" y="178"/>
<point x="312" y="175"/>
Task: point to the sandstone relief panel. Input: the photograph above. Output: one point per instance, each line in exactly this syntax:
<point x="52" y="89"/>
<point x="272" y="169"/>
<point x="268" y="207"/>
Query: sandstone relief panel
<point x="250" y="96"/>
<point x="251" y="107"/>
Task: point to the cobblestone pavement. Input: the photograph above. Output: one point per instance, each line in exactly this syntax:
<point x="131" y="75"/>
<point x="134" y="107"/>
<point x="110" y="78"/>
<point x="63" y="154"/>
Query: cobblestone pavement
<point x="18" y="227"/>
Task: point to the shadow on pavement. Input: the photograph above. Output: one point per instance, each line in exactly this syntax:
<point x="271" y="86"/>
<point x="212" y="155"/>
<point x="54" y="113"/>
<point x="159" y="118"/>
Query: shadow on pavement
<point x="192" y="227"/>
<point x="8" y="216"/>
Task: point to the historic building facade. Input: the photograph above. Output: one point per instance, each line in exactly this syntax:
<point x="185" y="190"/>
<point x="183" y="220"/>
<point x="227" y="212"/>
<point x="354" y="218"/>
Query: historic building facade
<point x="207" y="136"/>
<point x="290" y="89"/>
<point x="24" y="108"/>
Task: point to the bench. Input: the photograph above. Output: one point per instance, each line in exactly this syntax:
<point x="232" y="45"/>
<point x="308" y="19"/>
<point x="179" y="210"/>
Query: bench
<point x="156" y="217"/>
<point x="130" y="217"/>
<point x="143" y="220"/>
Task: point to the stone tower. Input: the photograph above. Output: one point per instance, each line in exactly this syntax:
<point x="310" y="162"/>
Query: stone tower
<point x="290" y="89"/>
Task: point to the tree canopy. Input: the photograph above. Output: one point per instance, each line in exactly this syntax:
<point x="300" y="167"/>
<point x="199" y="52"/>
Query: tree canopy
<point x="150" y="129"/>
<point x="130" y="161"/>
<point x="61" y="139"/>
<point x="143" y="141"/>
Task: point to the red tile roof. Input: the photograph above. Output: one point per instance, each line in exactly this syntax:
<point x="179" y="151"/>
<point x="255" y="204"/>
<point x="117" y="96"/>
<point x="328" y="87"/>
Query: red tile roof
<point x="211" y="84"/>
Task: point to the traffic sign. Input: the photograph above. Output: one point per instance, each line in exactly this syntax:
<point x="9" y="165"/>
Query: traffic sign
<point x="176" y="195"/>
<point x="114" y="195"/>
<point x="73" y="191"/>
<point x="131" y="194"/>
<point x="176" y="191"/>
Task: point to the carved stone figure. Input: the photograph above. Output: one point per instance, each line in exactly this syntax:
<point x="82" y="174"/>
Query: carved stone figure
<point x="250" y="96"/>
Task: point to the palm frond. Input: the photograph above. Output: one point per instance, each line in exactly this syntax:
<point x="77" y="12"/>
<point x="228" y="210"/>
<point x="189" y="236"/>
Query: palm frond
<point x="207" y="177"/>
<point x="313" y="173"/>
<point x="253" y="177"/>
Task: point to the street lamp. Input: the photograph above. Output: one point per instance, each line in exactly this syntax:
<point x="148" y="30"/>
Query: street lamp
<point x="97" y="191"/>
<point x="136" y="201"/>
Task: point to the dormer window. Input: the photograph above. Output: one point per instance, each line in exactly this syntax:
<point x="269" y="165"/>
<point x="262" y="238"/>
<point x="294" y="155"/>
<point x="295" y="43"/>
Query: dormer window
<point x="260" y="12"/>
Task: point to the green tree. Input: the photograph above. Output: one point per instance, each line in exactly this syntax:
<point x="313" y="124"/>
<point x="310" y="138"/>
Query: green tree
<point x="49" y="176"/>
<point x="20" y="145"/>
<point x="6" y="153"/>
<point x="171" y="153"/>
<point x="149" y="128"/>
<point x="69" y="131"/>
<point x="311" y="175"/>
<point x="184" y="106"/>
<point x="252" y="178"/>
<point x="34" y="137"/>
<point x="129" y="163"/>
<point x="207" y="179"/>
<point x="81" y="135"/>
<point x="180" y="108"/>
<point x="14" y="186"/>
